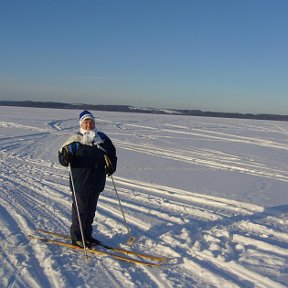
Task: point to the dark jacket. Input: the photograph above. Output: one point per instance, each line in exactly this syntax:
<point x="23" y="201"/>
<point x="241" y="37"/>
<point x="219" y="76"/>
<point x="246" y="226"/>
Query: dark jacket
<point x="88" y="163"/>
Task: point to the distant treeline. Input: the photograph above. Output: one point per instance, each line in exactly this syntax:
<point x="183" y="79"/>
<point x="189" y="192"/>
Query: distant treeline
<point x="235" y="115"/>
<point x="127" y="108"/>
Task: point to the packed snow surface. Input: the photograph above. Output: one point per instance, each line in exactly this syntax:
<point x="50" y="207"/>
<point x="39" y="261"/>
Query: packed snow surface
<point x="211" y="194"/>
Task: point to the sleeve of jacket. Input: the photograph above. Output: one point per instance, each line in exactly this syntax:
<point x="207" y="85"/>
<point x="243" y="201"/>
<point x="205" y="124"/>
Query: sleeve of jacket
<point x="61" y="152"/>
<point x="110" y="149"/>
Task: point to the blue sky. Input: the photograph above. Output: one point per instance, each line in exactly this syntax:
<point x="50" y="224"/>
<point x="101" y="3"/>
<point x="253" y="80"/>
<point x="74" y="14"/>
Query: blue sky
<point x="216" y="55"/>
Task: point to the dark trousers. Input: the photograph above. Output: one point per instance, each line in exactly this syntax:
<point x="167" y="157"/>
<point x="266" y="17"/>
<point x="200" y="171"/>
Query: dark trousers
<point x="87" y="203"/>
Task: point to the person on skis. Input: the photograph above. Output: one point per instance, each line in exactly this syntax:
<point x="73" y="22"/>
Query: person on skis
<point x="91" y="156"/>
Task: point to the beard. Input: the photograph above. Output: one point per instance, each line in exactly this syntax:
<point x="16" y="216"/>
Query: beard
<point x="88" y="136"/>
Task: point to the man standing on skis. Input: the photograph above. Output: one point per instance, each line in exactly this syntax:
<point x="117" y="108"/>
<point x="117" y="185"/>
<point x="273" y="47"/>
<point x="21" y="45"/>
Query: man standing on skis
<point x="91" y="156"/>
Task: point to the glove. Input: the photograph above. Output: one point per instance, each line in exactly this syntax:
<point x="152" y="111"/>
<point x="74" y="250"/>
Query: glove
<point x="69" y="152"/>
<point x="108" y="167"/>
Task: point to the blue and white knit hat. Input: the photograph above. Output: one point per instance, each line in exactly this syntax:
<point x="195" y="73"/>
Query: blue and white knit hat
<point x="85" y="115"/>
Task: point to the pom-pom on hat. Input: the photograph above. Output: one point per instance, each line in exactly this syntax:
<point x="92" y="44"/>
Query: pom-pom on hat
<point x="85" y="115"/>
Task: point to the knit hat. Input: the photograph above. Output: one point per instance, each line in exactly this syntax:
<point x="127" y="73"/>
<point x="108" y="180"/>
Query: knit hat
<point x="85" y="115"/>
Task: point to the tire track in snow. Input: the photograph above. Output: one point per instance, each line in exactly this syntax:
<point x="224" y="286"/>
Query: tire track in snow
<point x="26" y="205"/>
<point x="216" y="135"/>
<point x="18" y="267"/>
<point x="211" y="159"/>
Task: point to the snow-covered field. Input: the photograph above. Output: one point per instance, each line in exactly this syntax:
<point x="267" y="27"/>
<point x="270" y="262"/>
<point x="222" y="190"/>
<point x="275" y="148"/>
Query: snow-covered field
<point x="209" y="193"/>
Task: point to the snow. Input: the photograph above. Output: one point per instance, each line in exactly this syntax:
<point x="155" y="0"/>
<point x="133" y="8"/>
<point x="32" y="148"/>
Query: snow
<point x="209" y="193"/>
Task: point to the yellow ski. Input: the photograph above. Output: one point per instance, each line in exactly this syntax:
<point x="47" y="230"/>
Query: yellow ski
<point x="114" y="249"/>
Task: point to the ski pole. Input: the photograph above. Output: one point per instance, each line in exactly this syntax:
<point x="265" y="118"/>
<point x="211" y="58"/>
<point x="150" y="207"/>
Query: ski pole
<point x="78" y="213"/>
<point x="131" y="239"/>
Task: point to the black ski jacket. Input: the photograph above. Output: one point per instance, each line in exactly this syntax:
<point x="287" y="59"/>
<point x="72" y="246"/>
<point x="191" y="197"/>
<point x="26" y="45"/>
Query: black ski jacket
<point x="88" y="164"/>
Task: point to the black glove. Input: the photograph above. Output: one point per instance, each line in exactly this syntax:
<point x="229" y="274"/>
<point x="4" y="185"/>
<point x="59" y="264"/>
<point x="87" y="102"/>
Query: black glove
<point x="69" y="151"/>
<point x="108" y="166"/>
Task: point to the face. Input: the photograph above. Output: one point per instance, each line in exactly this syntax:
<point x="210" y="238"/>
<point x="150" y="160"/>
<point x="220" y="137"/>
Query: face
<point x="88" y="124"/>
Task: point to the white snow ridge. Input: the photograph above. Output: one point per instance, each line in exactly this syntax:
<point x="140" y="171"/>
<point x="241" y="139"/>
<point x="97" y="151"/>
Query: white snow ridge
<point x="208" y="193"/>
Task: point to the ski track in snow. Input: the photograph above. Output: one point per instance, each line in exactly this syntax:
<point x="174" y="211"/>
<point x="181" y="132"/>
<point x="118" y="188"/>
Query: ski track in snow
<point x="209" y="241"/>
